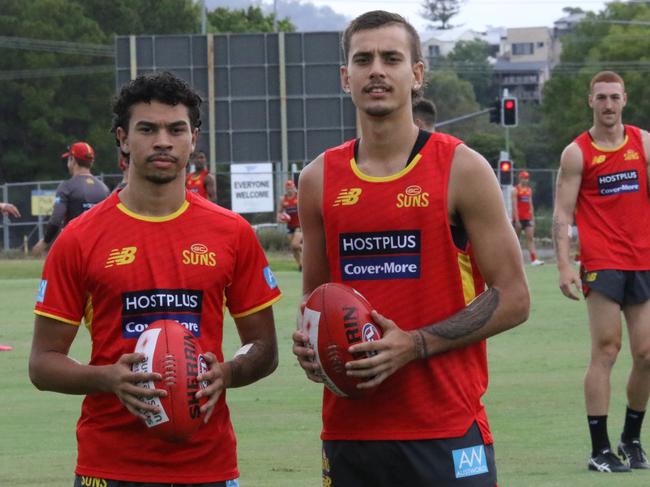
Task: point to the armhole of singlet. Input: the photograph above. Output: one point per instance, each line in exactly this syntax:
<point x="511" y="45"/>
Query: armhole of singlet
<point x="423" y="137"/>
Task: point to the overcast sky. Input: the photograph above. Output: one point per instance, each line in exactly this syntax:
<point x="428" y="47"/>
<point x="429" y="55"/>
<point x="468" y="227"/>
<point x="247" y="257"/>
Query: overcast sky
<point x="475" y="14"/>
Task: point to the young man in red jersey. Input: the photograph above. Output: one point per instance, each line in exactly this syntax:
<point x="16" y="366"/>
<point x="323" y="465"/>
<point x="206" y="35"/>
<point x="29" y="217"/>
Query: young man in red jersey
<point x="201" y="181"/>
<point x="130" y="261"/>
<point x="523" y="214"/>
<point x="603" y="177"/>
<point x="415" y="222"/>
<point x="288" y="213"/>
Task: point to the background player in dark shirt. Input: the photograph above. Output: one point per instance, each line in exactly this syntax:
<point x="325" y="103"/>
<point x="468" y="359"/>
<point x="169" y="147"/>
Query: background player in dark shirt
<point x="75" y="195"/>
<point x="424" y="114"/>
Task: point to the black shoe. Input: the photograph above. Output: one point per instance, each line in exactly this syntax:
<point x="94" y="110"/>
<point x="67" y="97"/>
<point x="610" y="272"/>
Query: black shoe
<point x="607" y="461"/>
<point x="633" y="455"/>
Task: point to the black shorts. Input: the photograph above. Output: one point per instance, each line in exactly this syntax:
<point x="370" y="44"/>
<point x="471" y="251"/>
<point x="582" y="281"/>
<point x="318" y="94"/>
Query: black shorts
<point x="291" y="231"/>
<point x="526" y="223"/>
<point x="449" y="462"/>
<point x="83" y="481"/>
<point x="624" y="287"/>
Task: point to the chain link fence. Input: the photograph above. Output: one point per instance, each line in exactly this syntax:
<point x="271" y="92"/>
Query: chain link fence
<point x="33" y="199"/>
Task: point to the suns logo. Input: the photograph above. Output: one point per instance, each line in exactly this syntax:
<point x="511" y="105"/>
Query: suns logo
<point x="199" y="254"/>
<point x="411" y="197"/>
<point x="631" y="155"/>
<point x="348" y="196"/>
<point x="123" y="256"/>
<point x="599" y="159"/>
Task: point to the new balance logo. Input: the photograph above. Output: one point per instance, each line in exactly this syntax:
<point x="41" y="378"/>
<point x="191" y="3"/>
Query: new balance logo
<point x="348" y="197"/>
<point x="123" y="256"/>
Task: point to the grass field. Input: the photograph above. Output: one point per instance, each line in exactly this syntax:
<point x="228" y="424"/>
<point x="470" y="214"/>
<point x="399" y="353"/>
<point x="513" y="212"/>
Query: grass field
<point x="534" y="402"/>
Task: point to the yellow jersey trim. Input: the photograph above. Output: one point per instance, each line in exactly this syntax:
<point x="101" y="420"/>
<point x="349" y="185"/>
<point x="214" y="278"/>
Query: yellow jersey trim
<point x="602" y="149"/>
<point x="57" y="318"/>
<point x="384" y="179"/>
<point x="155" y="219"/>
<point x="466" y="277"/>
<point x="257" y="308"/>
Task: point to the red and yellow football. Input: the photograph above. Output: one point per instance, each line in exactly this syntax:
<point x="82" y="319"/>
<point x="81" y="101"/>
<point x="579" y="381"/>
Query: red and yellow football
<point x="174" y="353"/>
<point x="335" y="317"/>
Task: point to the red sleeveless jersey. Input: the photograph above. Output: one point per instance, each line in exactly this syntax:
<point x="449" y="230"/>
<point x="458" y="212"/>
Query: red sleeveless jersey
<point x="290" y="207"/>
<point x="389" y="238"/>
<point x="613" y="208"/>
<point x="122" y="271"/>
<point x="195" y="182"/>
<point x="524" y="202"/>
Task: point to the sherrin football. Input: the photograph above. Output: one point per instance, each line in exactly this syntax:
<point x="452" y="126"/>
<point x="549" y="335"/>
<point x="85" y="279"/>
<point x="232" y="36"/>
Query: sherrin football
<point x="335" y="317"/>
<point x="173" y="352"/>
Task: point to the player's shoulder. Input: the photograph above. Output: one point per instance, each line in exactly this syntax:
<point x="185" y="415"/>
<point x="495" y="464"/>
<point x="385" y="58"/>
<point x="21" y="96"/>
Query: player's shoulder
<point x="571" y="155"/>
<point x="212" y="212"/>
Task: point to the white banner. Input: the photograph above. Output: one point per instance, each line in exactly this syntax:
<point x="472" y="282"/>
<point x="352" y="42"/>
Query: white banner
<point x="251" y="187"/>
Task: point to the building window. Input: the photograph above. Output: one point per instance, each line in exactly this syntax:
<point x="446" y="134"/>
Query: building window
<point x="522" y="48"/>
<point x="434" y="51"/>
<point x="540" y="44"/>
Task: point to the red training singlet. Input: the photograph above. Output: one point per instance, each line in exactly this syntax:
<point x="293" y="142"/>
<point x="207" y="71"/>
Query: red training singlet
<point x="613" y="208"/>
<point x="389" y="238"/>
<point x="122" y="271"/>
<point x="290" y="207"/>
<point x="195" y="182"/>
<point x="524" y="202"/>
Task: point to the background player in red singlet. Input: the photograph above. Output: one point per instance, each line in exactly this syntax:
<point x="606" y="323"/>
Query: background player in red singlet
<point x="603" y="177"/>
<point x="288" y="213"/>
<point x="201" y="181"/>
<point x="523" y="214"/>
<point x="130" y="261"/>
<point x="415" y="222"/>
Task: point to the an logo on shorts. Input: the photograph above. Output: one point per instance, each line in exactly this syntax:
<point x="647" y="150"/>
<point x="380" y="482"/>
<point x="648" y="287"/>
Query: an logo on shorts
<point x="469" y="461"/>
<point x="347" y="197"/>
<point x="92" y="482"/>
<point x="123" y="256"/>
<point x="591" y="276"/>
<point x="40" y="297"/>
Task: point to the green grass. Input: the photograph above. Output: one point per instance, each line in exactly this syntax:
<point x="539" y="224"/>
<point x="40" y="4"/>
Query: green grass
<point x="534" y="403"/>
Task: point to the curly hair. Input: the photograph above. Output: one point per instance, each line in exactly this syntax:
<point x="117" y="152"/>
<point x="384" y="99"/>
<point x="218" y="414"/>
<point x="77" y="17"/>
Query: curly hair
<point x="164" y="87"/>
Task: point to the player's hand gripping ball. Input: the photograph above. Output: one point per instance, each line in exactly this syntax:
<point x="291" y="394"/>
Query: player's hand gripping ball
<point x="173" y="352"/>
<point x="336" y="317"/>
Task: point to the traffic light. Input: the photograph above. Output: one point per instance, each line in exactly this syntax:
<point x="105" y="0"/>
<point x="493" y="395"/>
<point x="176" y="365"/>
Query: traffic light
<point x="509" y="111"/>
<point x="505" y="173"/>
<point x="495" y="112"/>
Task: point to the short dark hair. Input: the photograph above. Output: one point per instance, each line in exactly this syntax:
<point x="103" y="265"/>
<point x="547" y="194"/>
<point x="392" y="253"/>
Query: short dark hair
<point x="376" y="19"/>
<point x="425" y="109"/>
<point x="164" y="87"/>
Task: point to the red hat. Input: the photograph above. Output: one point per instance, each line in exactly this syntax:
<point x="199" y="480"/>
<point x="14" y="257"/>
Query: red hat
<point x="81" y="151"/>
<point x="289" y="184"/>
<point x="524" y="175"/>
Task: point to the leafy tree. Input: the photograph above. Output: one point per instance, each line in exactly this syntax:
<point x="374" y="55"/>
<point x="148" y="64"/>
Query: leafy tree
<point x="441" y="11"/>
<point x="470" y="60"/>
<point x="251" y="19"/>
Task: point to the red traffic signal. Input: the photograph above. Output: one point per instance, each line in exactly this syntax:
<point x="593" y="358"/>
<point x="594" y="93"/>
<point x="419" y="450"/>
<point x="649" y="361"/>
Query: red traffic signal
<point x="509" y="111"/>
<point x="505" y="173"/>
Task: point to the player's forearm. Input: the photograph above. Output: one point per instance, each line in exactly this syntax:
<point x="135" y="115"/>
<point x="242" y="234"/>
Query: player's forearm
<point x="494" y="311"/>
<point x="561" y="240"/>
<point x="50" y="232"/>
<point x="254" y="361"/>
<point x="56" y="372"/>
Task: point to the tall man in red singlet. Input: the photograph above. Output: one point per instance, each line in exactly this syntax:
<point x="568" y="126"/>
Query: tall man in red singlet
<point x="415" y="222"/>
<point x="201" y="181"/>
<point x="604" y="177"/>
<point x="523" y="216"/>
<point x="130" y="261"/>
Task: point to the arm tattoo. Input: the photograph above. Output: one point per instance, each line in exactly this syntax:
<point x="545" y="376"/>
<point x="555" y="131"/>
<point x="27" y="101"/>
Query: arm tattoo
<point x="470" y="319"/>
<point x="557" y="231"/>
<point x="252" y="365"/>
<point x="420" y="344"/>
